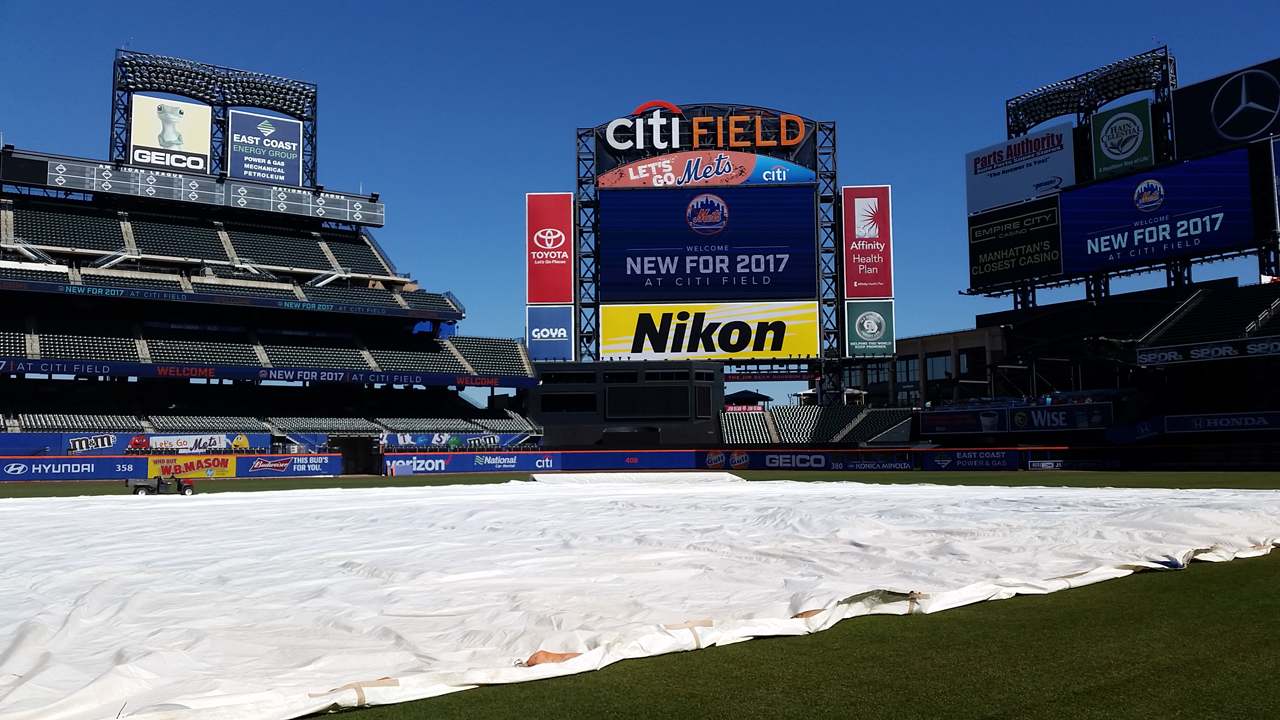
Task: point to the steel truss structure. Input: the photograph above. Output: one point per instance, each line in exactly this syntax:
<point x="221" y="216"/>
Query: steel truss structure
<point x="219" y="87"/>
<point x="830" y="312"/>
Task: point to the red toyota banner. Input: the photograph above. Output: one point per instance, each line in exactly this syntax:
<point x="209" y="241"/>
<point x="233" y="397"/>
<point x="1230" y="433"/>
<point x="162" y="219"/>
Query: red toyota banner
<point x="868" y="242"/>
<point x="549" y="248"/>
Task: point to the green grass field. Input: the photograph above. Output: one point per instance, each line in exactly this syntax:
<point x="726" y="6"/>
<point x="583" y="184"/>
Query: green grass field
<point x="1199" y="643"/>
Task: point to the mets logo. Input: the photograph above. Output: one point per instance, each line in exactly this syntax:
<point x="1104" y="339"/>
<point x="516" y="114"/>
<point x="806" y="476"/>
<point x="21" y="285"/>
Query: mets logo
<point x="707" y="214"/>
<point x="1149" y="195"/>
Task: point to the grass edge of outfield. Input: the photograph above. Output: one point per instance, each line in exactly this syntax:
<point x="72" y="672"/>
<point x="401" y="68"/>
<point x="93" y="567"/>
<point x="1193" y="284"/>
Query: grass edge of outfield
<point x="1242" y="480"/>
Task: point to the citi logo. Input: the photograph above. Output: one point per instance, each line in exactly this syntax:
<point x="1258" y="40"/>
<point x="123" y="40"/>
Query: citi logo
<point x="731" y="337"/>
<point x="548" y="238"/>
<point x="777" y="173"/>
<point x="557" y="333"/>
<point x="546" y="462"/>
<point x="15" y="468"/>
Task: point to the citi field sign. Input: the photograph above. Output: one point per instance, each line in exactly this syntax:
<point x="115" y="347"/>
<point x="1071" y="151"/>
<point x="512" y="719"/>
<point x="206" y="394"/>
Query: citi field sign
<point x="711" y="144"/>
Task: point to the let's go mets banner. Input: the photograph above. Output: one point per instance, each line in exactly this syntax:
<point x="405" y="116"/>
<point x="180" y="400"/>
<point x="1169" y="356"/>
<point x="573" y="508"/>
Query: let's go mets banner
<point x="711" y="331"/>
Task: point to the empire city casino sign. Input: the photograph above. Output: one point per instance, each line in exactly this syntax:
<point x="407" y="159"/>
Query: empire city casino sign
<point x="713" y="144"/>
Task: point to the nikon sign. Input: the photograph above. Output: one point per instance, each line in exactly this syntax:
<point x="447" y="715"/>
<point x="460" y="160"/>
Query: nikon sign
<point x="1122" y="140"/>
<point x="709" y="331"/>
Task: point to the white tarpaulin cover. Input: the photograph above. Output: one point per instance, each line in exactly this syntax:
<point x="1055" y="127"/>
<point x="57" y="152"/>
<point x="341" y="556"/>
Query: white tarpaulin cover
<point x="274" y="605"/>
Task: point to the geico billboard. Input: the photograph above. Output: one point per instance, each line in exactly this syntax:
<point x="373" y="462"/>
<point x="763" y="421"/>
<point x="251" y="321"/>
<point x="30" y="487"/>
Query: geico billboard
<point x="712" y="331"/>
<point x="169" y="134"/>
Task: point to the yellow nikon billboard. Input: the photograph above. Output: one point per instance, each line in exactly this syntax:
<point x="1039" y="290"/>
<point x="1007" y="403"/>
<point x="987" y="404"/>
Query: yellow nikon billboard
<point x="710" y="331"/>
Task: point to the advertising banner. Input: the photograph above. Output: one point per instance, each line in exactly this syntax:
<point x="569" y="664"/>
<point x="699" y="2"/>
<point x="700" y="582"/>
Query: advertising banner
<point x="191" y="466"/>
<point x="439" y="463"/>
<point x="730" y="244"/>
<point x="648" y="460"/>
<point x="249" y="466"/>
<point x="458" y="441"/>
<point x="264" y="148"/>
<point x="1015" y="243"/>
<point x="1226" y="110"/>
<point x="551" y="333"/>
<point x="78" y="468"/>
<point x="1219" y="350"/>
<point x="169" y="134"/>
<point x="1222" y="422"/>
<point x="706" y="168"/>
<point x="970" y="460"/>
<point x="1194" y="208"/>
<point x="119" y="443"/>
<point x="1122" y="140"/>
<point x="868" y="242"/>
<point x="977" y="420"/>
<point x="1039" y="163"/>
<point x="723" y="331"/>
<point x="168" y="370"/>
<point x="868" y="328"/>
<point x="1082" y="416"/>
<point x="549" y="249"/>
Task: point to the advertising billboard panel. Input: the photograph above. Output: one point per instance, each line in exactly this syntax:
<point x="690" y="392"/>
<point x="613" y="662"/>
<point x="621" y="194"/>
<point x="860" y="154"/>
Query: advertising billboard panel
<point x="1194" y="208"/>
<point x="1122" y="140"/>
<point x="169" y="134"/>
<point x="264" y="148"/>
<point x="549" y="248"/>
<point x="1039" y="163"/>
<point x="868" y="328"/>
<point x="974" y="420"/>
<point x="706" y="168"/>
<point x="1229" y="109"/>
<point x="868" y="242"/>
<point x="709" y="331"/>
<point x="1015" y="243"/>
<point x="729" y="244"/>
<point x="550" y="331"/>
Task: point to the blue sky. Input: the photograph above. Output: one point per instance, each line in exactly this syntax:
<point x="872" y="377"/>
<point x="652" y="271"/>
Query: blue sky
<point x="452" y="112"/>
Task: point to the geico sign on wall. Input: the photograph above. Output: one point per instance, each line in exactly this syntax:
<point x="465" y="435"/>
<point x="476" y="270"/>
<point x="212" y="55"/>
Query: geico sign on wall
<point x="720" y="331"/>
<point x="169" y="134"/>
<point x="549" y="247"/>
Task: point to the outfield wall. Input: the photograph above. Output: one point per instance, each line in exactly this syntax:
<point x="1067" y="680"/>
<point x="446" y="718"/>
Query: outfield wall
<point x="855" y="460"/>
<point x="123" y="467"/>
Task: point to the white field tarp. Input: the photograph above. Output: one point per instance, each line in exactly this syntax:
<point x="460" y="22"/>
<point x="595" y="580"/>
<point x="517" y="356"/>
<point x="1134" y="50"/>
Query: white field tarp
<point x="278" y="604"/>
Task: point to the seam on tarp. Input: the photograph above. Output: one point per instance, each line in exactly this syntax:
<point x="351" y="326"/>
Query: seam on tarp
<point x="359" y="688"/>
<point x="690" y="625"/>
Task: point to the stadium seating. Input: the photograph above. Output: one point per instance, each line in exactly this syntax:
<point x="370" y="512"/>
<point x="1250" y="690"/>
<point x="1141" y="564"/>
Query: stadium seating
<point x="175" y="237"/>
<point x="502" y="425"/>
<point x="350" y="295"/>
<point x="744" y="428"/>
<point x="1221" y="314"/>
<point x="130" y="281"/>
<point x="419" y="300"/>
<point x="277" y="248"/>
<point x="419" y="356"/>
<point x="307" y="351"/>
<point x="13" y="344"/>
<point x="875" y="422"/>
<point x="67" y="225"/>
<point x="353" y="253"/>
<point x="329" y="425"/>
<point x="206" y="424"/>
<point x="203" y="352"/>
<point x="88" y="347"/>
<point x="79" y="423"/>
<point x="491" y="356"/>
<point x="49" y="276"/>
<point x="795" y="423"/>
<point x="833" y="419"/>
<point x="428" y="425"/>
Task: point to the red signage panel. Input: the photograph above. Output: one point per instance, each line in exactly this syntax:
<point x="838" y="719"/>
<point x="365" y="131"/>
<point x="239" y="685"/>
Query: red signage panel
<point x="868" y="242"/>
<point x="549" y="248"/>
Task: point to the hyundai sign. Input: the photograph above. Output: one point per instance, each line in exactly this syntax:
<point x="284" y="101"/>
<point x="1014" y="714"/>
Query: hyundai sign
<point x="1195" y="208"/>
<point x="550" y="332"/>
<point x="708" y="244"/>
<point x="264" y="148"/>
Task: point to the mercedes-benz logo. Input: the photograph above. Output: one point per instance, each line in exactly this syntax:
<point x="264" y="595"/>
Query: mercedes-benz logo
<point x="1246" y="105"/>
<point x="548" y="238"/>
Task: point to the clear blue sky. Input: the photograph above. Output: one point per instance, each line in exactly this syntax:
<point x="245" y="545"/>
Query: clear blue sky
<point x="453" y="111"/>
